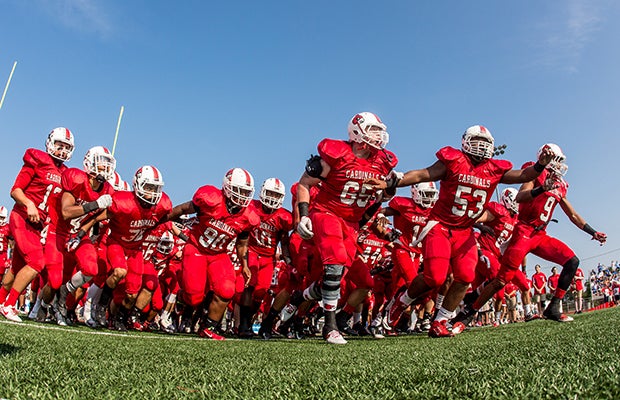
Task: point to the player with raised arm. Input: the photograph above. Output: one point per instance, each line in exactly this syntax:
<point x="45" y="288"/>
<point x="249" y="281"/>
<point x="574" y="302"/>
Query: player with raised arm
<point x="223" y="215"/>
<point x="36" y="188"/>
<point x="467" y="178"/>
<point x="85" y="193"/>
<point x="342" y="169"/>
<point x="538" y="198"/>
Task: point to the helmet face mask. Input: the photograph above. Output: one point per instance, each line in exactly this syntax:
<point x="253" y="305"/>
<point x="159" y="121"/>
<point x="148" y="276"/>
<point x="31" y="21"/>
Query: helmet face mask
<point x="60" y="144"/>
<point x="272" y="193"/>
<point x="238" y="187"/>
<point x="148" y="184"/>
<point x="425" y="194"/>
<point x="366" y="127"/>
<point x="508" y="199"/>
<point x="165" y="244"/>
<point x="557" y="165"/>
<point x="4" y="215"/>
<point x="98" y="161"/>
<point x="478" y="143"/>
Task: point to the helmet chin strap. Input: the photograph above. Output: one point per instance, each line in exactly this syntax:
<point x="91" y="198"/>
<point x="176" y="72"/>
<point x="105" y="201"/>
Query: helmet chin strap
<point x="100" y="178"/>
<point x="231" y="207"/>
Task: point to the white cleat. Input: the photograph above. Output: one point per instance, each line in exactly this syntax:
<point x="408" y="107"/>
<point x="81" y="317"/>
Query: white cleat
<point x="334" y="337"/>
<point x="10" y="313"/>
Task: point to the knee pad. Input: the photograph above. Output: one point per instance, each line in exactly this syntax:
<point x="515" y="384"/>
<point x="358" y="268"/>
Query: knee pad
<point x="331" y="285"/>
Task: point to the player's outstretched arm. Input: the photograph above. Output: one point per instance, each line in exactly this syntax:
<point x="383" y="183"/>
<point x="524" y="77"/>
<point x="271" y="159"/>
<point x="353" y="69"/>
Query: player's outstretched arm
<point x="177" y="211"/>
<point x="581" y="223"/>
<point x="529" y="173"/>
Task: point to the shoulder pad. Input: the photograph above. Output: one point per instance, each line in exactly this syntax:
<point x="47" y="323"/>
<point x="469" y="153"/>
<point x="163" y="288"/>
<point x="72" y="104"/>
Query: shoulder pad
<point x="332" y="151"/>
<point x="527" y="164"/>
<point x="449" y="154"/>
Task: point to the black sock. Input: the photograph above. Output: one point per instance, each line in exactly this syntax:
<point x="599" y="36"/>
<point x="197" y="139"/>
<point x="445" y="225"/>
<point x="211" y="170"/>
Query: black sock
<point x="106" y="295"/>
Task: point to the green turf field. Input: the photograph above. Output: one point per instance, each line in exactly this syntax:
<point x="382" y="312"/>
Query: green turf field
<point x="537" y="360"/>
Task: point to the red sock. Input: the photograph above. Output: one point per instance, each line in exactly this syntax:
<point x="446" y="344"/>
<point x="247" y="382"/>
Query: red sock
<point x="3" y="294"/>
<point x="12" y="299"/>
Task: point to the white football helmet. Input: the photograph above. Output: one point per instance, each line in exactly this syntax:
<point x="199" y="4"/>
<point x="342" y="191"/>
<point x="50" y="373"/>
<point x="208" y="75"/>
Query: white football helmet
<point x="99" y="161"/>
<point x="238" y="186"/>
<point x="4" y="216"/>
<point x="148" y="184"/>
<point x="118" y="183"/>
<point x="508" y="199"/>
<point x="478" y="142"/>
<point x="60" y="144"/>
<point x="557" y="164"/>
<point x="366" y="127"/>
<point x="425" y="194"/>
<point x="166" y="243"/>
<point x="272" y="193"/>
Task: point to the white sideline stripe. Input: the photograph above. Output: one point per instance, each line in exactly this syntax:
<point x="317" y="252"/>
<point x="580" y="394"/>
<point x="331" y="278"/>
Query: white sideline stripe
<point x="138" y="335"/>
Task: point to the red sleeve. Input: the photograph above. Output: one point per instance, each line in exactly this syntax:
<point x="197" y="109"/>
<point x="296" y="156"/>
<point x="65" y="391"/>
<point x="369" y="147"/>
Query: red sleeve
<point x="287" y="221"/>
<point x="71" y="180"/>
<point x="207" y="197"/>
<point x="527" y="164"/>
<point x="332" y="151"/>
<point x="389" y="159"/>
<point x="396" y="203"/>
<point x="502" y="166"/>
<point x="448" y="154"/>
<point x="24" y="177"/>
<point x="495" y="209"/>
<point x="164" y="206"/>
<point x="31" y="160"/>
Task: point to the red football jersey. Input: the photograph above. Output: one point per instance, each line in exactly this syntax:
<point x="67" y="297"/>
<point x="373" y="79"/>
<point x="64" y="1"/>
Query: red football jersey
<point x="40" y="179"/>
<point x="343" y="192"/>
<point x="130" y="221"/>
<point x="410" y="220"/>
<point x="151" y="239"/>
<point x="466" y="188"/>
<point x="538" y="212"/>
<point x="4" y="242"/>
<point x="263" y="239"/>
<point x="216" y="227"/>
<point x="371" y="248"/>
<point x="502" y="226"/>
<point x="76" y="182"/>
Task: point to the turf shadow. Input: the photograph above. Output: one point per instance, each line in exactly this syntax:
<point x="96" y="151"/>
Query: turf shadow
<point x="6" y="349"/>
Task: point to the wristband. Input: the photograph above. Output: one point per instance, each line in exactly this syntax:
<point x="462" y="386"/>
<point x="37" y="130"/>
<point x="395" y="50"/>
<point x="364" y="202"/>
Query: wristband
<point x="537" y="191"/>
<point x="538" y="167"/>
<point x="90" y="206"/>
<point x="392" y="184"/>
<point x="183" y="237"/>
<point x="81" y="233"/>
<point x="588" y="229"/>
<point x="303" y="208"/>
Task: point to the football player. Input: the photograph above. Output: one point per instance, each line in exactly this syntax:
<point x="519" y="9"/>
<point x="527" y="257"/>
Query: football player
<point x="276" y="222"/>
<point x="223" y="215"/>
<point x="538" y="198"/>
<point x="468" y="178"/>
<point x="36" y="189"/>
<point x="342" y="169"/>
<point x="6" y="240"/>
<point x="85" y="193"/>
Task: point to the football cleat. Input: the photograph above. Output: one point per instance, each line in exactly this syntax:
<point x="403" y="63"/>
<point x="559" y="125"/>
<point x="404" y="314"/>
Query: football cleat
<point x="553" y="312"/>
<point x="439" y="329"/>
<point x="531" y="317"/>
<point x="101" y="315"/>
<point x="360" y="329"/>
<point x="41" y="314"/>
<point x="209" y="334"/>
<point x="376" y="332"/>
<point x="458" y="327"/>
<point x="265" y="333"/>
<point x="117" y="323"/>
<point x="10" y="313"/>
<point x="395" y="311"/>
<point x="465" y="316"/>
<point x="334" y="337"/>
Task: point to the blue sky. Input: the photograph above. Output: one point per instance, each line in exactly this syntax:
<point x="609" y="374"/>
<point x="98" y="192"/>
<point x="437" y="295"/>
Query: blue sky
<point x="208" y="86"/>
